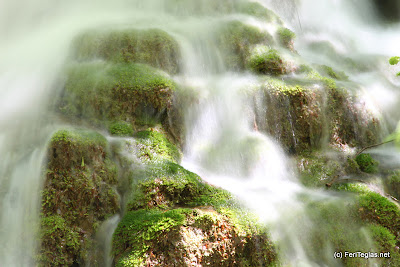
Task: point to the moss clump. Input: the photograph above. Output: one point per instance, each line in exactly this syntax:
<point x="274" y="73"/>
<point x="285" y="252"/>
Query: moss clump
<point x="120" y="128"/>
<point x="168" y="184"/>
<point x="153" y="47"/>
<point x="394" y="60"/>
<point x="153" y="145"/>
<point x="138" y="228"/>
<point x="378" y="209"/>
<point x="328" y="71"/>
<point x="235" y="40"/>
<point x="286" y="38"/>
<point x="367" y="163"/>
<point x="119" y="92"/>
<point x="267" y="61"/>
<point x="78" y="194"/>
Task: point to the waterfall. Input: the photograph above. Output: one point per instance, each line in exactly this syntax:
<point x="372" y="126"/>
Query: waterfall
<point x="222" y="143"/>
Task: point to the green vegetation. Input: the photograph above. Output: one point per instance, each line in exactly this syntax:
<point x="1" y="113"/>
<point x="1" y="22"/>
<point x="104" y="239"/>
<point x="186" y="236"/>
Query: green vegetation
<point x="138" y="228"/>
<point x="235" y="40"/>
<point x="153" y="47"/>
<point x="393" y="184"/>
<point x="394" y="60"/>
<point x="378" y="209"/>
<point x="116" y="92"/>
<point x="286" y="38"/>
<point x="338" y="75"/>
<point x="77" y="195"/>
<point x="168" y="184"/>
<point x="266" y="61"/>
<point x="120" y="128"/>
<point x="367" y="163"/>
<point x="154" y="146"/>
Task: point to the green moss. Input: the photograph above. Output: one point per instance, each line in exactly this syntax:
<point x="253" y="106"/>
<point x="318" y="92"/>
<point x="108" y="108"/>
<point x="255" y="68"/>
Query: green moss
<point x="168" y="184"/>
<point x="394" y="60"/>
<point x="351" y="187"/>
<point x="77" y="195"/>
<point x="367" y="163"/>
<point x="266" y="61"/>
<point x="154" y="145"/>
<point x="153" y="47"/>
<point x="334" y="227"/>
<point x="119" y="92"/>
<point x="235" y="40"/>
<point x="338" y="75"/>
<point x="316" y="170"/>
<point x="120" y="128"/>
<point x="384" y="239"/>
<point x="55" y="233"/>
<point x="286" y="37"/>
<point x="139" y="227"/>
<point x="378" y="209"/>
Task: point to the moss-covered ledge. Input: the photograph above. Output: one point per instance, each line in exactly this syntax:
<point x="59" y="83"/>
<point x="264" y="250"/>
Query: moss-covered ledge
<point x="173" y="218"/>
<point x="78" y="195"/>
<point x="154" y="47"/>
<point x="99" y="92"/>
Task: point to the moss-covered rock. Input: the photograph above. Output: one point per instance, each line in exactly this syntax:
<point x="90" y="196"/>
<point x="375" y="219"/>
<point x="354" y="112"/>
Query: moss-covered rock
<point x="101" y="92"/>
<point x="152" y="46"/>
<point x="174" y="218"/>
<point x="367" y="163"/>
<point x="334" y="74"/>
<point x="120" y="128"/>
<point x="78" y="194"/>
<point x="286" y="38"/>
<point x="292" y="114"/>
<point x="267" y="61"/>
<point x="235" y="41"/>
<point x="302" y="116"/>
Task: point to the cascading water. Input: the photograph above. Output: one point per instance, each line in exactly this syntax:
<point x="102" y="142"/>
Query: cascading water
<point x="222" y="144"/>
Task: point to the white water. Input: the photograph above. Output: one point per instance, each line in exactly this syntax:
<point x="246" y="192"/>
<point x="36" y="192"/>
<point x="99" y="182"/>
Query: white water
<point x="221" y="145"/>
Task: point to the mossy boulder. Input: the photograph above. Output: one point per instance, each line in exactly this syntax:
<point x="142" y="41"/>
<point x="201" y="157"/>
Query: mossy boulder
<point x="302" y="116"/>
<point x="120" y="128"/>
<point x="264" y="60"/>
<point x="150" y="46"/>
<point x="174" y="218"/>
<point x="99" y="92"/>
<point x="290" y="113"/>
<point x="367" y="163"/>
<point x="336" y="226"/>
<point x="330" y="72"/>
<point x="78" y="195"/>
<point x="235" y="41"/>
<point x="286" y="38"/>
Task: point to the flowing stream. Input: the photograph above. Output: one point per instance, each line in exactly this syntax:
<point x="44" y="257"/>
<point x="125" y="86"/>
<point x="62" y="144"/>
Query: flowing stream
<point x="222" y="145"/>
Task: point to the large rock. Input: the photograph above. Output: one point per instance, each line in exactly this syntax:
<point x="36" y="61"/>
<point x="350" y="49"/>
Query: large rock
<point x="99" y="92"/>
<point x="303" y="117"/>
<point x="152" y="46"/>
<point x="79" y="193"/>
<point x="173" y="218"/>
